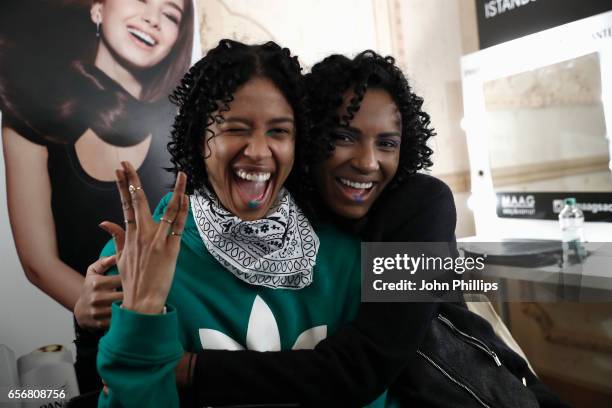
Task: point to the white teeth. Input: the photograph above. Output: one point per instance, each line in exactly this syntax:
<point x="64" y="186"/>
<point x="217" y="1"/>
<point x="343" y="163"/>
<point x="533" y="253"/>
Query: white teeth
<point x="143" y="36"/>
<point x="355" y="184"/>
<point x="253" y="176"/>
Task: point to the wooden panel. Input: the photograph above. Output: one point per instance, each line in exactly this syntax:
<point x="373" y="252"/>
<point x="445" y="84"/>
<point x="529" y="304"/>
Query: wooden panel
<point x="458" y="182"/>
<point x="569" y="342"/>
<point x="548" y="170"/>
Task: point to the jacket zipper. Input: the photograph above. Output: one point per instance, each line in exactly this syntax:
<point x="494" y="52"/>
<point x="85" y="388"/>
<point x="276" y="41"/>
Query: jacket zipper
<point x="453" y="379"/>
<point x="470" y="339"/>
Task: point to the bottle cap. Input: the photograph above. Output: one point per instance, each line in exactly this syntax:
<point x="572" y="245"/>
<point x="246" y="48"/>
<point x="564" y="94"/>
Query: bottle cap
<point x="570" y="201"/>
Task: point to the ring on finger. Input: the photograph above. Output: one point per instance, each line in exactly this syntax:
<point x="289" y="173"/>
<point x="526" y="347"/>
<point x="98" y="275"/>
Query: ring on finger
<point x="166" y="220"/>
<point x="175" y="234"/>
<point x="126" y="221"/>
<point x="132" y="188"/>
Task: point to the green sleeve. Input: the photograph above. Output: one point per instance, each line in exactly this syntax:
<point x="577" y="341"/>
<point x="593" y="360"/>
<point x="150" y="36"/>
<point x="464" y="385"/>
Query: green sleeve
<point x="137" y="357"/>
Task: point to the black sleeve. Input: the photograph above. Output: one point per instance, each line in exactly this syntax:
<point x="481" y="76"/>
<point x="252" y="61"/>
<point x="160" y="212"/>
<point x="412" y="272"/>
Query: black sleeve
<point x="482" y="329"/>
<point x="514" y="362"/>
<point x="359" y="362"/>
<point x="422" y="209"/>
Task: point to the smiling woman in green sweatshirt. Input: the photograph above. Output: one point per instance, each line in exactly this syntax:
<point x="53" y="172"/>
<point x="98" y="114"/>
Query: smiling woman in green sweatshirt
<point x="251" y="272"/>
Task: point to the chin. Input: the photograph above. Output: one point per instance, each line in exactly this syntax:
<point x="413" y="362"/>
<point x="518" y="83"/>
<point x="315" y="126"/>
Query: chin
<point x="135" y="61"/>
<point x="247" y="215"/>
<point x="141" y="65"/>
<point x="351" y="213"/>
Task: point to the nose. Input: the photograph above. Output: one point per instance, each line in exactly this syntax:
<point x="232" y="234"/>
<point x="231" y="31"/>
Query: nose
<point x="151" y="17"/>
<point x="257" y="148"/>
<point x="365" y="160"/>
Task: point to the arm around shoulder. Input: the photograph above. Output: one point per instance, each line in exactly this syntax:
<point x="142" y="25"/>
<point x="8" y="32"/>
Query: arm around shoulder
<point x="423" y="208"/>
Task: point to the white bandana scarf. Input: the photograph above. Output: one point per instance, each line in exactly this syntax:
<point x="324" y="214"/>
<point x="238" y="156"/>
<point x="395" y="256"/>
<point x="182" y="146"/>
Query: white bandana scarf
<point x="278" y="251"/>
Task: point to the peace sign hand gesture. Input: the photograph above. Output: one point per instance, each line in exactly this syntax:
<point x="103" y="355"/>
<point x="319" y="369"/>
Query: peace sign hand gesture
<point x="147" y="251"/>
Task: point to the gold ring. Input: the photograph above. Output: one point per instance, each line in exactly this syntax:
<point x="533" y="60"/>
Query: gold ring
<point x="165" y="220"/>
<point x="132" y="188"/>
<point x="175" y="234"/>
<point x="126" y="221"/>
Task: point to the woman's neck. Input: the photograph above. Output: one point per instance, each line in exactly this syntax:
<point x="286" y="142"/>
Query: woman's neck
<point x="107" y="63"/>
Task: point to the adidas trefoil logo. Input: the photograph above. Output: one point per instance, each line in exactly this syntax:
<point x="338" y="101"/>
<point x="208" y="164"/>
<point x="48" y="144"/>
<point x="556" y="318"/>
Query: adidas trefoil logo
<point x="262" y="333"/>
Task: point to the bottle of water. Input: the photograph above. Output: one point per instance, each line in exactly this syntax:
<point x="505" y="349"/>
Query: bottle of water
<point x="571" y="221"/>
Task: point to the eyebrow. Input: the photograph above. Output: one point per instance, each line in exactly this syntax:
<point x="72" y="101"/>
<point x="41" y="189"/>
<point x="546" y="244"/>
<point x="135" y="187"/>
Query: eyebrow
<point x="380" y="135"/>
<point x="175" y="6"/>
<point x="281" y="120"/>
<point x="249" y="123"/>
<point x="236" y="120"/>
<point x="389" y="134"/>
<point x="350" y="129"/>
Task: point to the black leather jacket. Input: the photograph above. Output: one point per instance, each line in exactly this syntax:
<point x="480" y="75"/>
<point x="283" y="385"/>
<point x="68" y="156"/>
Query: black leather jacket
<point x="463" y="363"/>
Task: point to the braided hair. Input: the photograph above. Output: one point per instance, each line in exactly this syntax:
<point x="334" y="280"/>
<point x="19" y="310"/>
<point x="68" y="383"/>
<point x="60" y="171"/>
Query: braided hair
<point x="206" y="92"/>
<point x="329" y="81"/>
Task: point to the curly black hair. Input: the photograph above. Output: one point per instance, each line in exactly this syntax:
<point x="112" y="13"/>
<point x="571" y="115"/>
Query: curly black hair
<point x="331" y="78"/>
<point x="207" y="89"/>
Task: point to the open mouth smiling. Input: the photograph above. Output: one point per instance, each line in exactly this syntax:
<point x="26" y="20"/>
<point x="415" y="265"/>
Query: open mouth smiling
<point x="253" y="187"/>
<point x="142" y="37"/>
<point x="354" y="190"/>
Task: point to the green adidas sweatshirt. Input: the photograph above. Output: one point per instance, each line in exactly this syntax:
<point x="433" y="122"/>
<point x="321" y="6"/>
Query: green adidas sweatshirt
<point x="209" y="308"/>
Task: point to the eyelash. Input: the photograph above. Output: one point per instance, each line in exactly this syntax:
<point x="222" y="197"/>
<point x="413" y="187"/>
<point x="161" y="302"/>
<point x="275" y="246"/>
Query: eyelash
<point x="275" y="131"/>
<point x="236" y="130"/>
<point x="387" y="144"/>
<point x="339" y="138"/>
<point x="172" y="18"/>
<point x="342" y="137"/>
<point x="279" y="130"/>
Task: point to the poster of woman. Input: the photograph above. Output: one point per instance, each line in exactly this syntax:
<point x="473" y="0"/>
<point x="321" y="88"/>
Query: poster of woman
<point x="84" y="85"/>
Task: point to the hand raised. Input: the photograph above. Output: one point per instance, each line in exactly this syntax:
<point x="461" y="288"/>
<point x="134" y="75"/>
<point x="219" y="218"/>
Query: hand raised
<point x="147" y="251"/>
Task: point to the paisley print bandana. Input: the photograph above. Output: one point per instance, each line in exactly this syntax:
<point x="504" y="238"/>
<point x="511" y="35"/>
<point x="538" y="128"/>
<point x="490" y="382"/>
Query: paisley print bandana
<point x="278" y="251"/>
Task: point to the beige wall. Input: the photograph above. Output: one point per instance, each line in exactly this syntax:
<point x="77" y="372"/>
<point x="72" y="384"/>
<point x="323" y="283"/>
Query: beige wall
<point x="312" y="29"/>
<point x="436" y="33"/>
